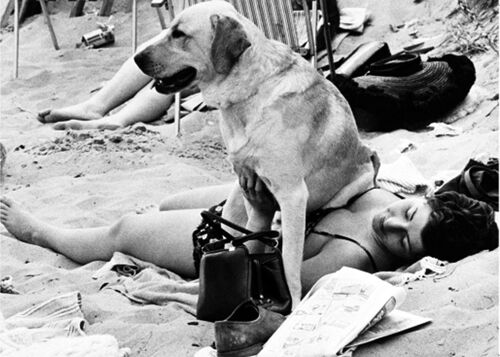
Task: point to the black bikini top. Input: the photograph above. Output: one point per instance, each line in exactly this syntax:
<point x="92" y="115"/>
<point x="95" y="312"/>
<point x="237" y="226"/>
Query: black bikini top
<point x="316" y="216"/>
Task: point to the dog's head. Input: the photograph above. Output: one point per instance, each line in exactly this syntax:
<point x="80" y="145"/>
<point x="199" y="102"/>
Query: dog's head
<point x="204" y="41"/>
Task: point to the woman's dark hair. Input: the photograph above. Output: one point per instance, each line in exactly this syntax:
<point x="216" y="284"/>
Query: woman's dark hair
<point x="459" y="226"/>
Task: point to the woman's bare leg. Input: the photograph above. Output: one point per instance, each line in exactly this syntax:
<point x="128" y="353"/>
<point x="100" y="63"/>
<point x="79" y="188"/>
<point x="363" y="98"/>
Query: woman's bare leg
<point x="146" y="106"/>
<point x="162" y="238"/>
<point x="124" y="85"/>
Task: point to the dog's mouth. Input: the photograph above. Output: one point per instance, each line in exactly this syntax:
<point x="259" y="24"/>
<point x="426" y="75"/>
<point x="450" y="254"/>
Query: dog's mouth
<point x="178" y="81"/>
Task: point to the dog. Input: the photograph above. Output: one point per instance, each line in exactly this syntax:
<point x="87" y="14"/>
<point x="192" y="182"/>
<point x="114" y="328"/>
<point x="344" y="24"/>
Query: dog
<point x="281" y="121"/>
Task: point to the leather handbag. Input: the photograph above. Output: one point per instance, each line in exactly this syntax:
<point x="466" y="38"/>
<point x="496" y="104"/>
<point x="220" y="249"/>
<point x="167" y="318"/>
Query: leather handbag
<point x="231" y="274"/>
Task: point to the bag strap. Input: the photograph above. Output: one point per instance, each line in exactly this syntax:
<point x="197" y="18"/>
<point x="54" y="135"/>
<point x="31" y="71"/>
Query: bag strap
<point x="214" y="219"/>
<point x="481" y="188"/>
<point x="267" y="237"/>
<point x="470" y="185"/>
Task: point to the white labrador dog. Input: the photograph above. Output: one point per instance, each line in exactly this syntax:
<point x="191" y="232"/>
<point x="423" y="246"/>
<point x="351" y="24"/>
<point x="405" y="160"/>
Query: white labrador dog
<point x="281" y="120"/>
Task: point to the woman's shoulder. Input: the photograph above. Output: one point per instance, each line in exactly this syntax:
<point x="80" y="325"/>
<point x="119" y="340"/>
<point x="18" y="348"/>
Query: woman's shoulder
<point x="348" y="252"/>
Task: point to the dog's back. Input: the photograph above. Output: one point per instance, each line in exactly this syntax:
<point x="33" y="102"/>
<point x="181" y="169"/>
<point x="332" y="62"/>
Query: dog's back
<point x="289" y="120"/>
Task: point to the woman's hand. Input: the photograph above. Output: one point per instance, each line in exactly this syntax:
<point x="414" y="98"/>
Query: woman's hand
<point x="258" y="195"/>
<point x="263" y="205"/>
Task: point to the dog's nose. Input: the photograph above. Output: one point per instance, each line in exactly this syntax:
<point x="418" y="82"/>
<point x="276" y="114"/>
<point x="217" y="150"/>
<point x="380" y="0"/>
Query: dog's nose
<point x="143" y="61"/>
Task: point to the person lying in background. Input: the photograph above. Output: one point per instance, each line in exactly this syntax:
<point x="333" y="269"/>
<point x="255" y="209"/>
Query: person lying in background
<point x="129" y="84"/>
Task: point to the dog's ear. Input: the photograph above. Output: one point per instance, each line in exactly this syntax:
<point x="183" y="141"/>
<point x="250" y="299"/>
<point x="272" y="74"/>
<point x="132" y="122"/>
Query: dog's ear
<point x="230" y="41"/>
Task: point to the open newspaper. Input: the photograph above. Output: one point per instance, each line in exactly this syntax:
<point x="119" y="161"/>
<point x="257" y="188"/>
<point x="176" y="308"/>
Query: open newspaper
<point x="339" y="308"/>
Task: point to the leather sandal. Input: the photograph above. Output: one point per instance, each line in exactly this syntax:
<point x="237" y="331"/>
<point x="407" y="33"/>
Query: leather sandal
<point x="246" y="330"/>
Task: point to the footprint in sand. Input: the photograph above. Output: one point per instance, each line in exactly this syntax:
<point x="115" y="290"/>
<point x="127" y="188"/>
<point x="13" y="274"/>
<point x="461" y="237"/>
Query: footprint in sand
<point x="146" y="209"/>
<point x="91" y="203"/>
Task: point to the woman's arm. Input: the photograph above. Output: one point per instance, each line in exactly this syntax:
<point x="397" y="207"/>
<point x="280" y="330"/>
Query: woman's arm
<point x="202" y="197"/>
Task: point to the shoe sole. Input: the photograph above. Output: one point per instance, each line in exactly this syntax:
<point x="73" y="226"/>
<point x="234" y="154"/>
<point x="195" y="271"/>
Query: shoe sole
<point x="244" y="352"/>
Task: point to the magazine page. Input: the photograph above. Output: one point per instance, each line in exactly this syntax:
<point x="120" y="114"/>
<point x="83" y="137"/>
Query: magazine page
<point x="398" y="321"/>
<point x="336" y="310"/>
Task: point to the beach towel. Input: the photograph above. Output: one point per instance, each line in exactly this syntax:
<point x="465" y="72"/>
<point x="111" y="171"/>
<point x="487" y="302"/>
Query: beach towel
<point x="145" y="283"/>
<point x="424" y="268"/>
<point x="54" y="328"/>
<point x="402" y="177"/>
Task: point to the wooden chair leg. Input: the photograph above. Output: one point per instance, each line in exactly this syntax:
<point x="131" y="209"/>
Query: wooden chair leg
<point x="49" y="23"/>
<point x="77" y="9"/>
<point x="134" y="25"/>
<point x="177" y="96"/>
<point x="177" y="114"/>
<point x="25" y="9"/>
<point x="129" y="6"/>
<point x="310" y="33"/>
<point x="107" y="6"/>
<point x="161" y="18"/>
<point x="7" y="11"/>
<point x="16" y="38"/>
<point x="171" y="9"/>
<point x="315" y="28"/>
<point x="326" y="34"/>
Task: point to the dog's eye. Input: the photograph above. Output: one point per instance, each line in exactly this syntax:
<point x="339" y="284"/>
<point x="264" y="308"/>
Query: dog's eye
<point x="178" y="33"/>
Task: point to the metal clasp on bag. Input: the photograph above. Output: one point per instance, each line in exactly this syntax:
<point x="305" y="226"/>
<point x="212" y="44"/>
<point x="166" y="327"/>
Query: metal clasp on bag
<point x="273" y="242"/>
<point x="261" y="300"/>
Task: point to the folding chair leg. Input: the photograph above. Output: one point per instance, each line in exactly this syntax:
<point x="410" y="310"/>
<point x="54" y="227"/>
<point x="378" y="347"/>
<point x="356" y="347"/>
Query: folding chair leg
<point x="16" y="38"/>
<point x="171" y="10"/>
<point x="177" y="114"/>
<point x="310" y="33"/>
<point x="77" y="9"/>
<point x="134" y="25"/>
<point x="49" y="24"/>
<point x="23" y="10"/>
<point x="106" y="7"/>
<point x="315" y="26"/>
<point x="328" y="39"/>
<point x="161" y="18"/>
<point x="177" y="96"/>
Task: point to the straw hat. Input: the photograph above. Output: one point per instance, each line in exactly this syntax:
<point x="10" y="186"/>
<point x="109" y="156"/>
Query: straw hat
<point x="405" y="92"/>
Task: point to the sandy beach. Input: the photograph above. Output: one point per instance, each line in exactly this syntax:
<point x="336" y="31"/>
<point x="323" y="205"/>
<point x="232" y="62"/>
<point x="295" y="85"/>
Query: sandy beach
<point x="91" y="178"/>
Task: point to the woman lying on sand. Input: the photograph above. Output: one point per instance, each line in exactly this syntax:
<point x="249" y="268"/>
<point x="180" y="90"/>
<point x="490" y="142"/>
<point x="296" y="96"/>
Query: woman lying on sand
<point x="375" y="231"/>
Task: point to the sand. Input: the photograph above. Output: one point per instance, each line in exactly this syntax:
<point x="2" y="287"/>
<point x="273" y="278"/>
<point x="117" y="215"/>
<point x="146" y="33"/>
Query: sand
<point x="91" y="178"/>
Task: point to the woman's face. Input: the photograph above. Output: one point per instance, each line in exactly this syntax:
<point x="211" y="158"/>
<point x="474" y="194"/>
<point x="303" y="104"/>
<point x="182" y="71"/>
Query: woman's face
<point x="398" y="228"/>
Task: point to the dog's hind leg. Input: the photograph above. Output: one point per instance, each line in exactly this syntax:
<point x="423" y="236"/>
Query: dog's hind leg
<point x="293" y="202"/>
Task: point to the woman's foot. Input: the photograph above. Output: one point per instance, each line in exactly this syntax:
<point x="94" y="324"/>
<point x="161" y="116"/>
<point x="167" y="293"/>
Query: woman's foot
<point x="82" y="112"/>
<point x="102" y="123"/>
<point x="21" y="224"/>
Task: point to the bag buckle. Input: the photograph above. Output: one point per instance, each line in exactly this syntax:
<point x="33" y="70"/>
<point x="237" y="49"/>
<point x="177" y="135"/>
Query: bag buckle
<point x="261" y="300"/>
